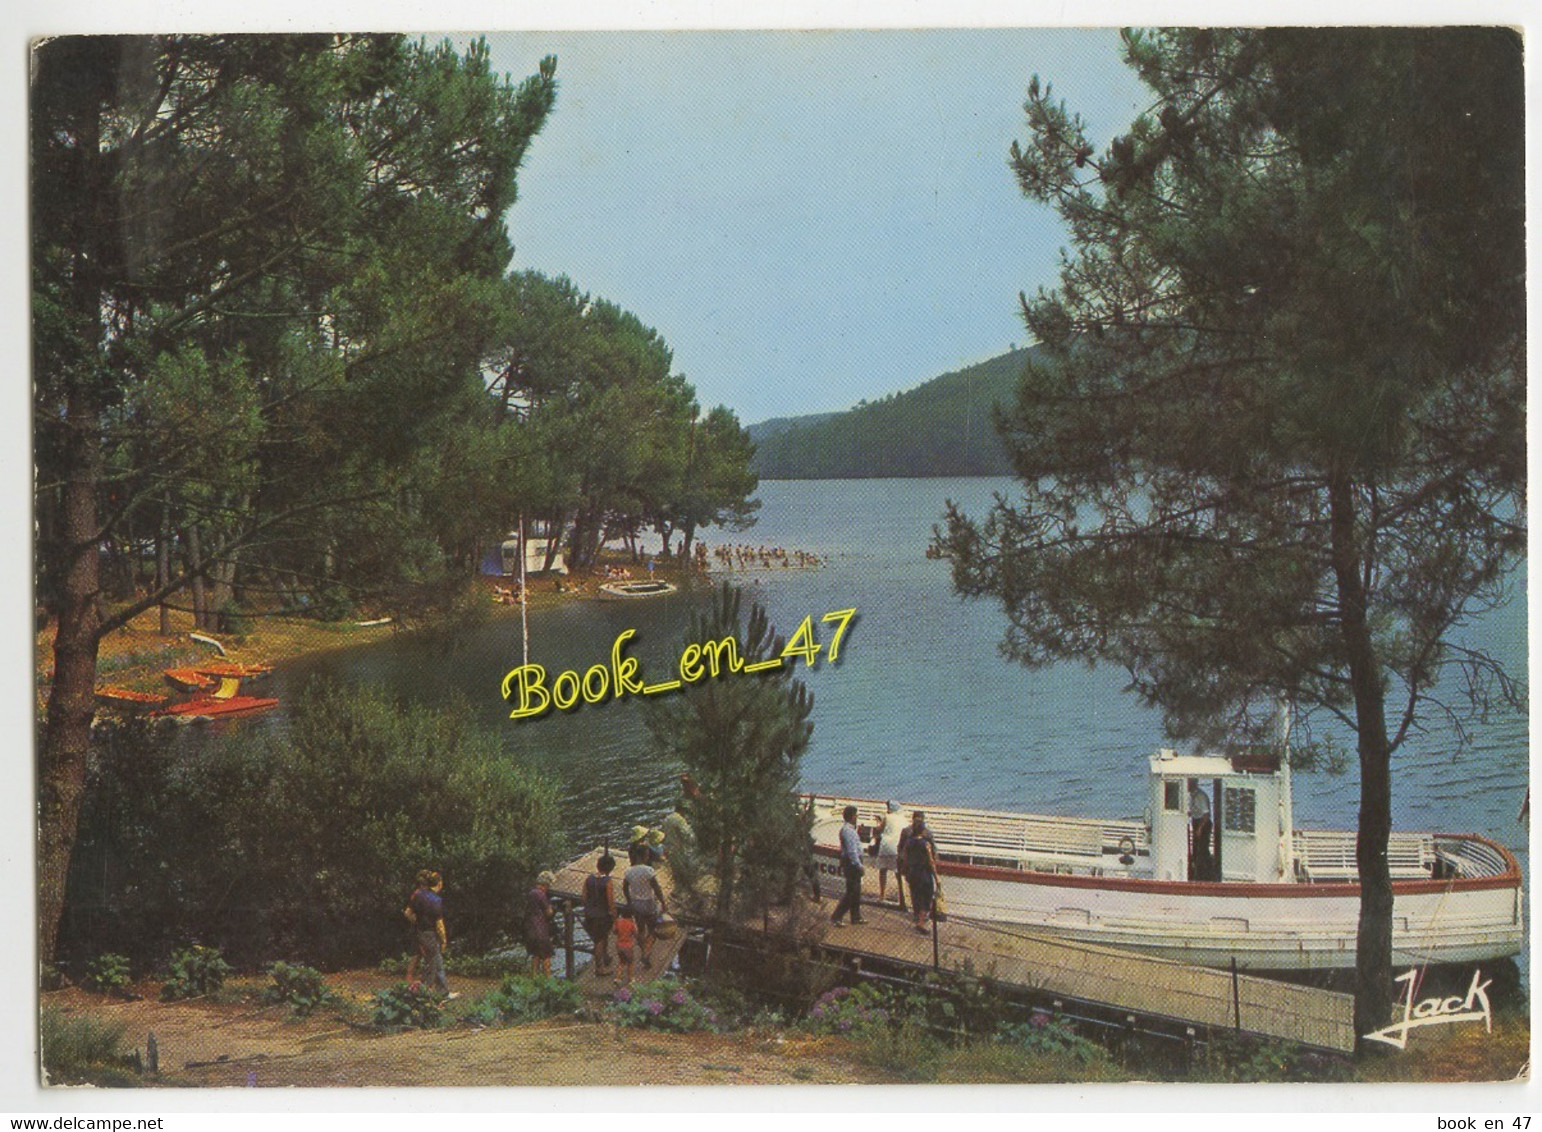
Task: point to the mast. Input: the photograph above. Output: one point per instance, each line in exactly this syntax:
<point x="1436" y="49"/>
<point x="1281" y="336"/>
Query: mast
<point x="1287" y="854"/>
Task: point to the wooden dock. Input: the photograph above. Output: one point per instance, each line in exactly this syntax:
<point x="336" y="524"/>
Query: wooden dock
<point x="569" y="887"/>
<point x="1050" y="968"/>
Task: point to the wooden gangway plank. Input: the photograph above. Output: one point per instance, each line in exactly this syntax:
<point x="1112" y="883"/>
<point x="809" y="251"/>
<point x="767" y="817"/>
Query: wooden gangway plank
<point x="1106" y="976"/>
<point x="1056" y="967"/>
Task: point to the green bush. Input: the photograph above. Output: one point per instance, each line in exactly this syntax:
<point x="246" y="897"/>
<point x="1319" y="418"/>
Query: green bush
<point x="193" y="973"/>
<point x="302" y="841"/>
<point x="503" y="958"/>
<point x="955" y="1003"/>
<point x="527" y="998"/>
<point x="304" y="989"/>
<point x="907" y="1051"/>
<point x="333" y="604"/>
<point x="107" y="973"/>
<point x="235" y="620"/>
<point x="79" y="1049"/>
<point x="401" y="1005"/>
<point x="1241" y="1057"/>
<point x="663" y="1004"/>
<point x="1043" y="1035"/>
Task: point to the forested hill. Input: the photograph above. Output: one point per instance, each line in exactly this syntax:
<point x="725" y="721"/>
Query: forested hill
<point x="941" y="428"/>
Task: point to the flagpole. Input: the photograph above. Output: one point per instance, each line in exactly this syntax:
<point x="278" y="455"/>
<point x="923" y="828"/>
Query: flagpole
<point x="524" y="597"/>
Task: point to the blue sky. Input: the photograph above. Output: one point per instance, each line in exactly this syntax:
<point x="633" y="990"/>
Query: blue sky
<point x="808" y="218"/>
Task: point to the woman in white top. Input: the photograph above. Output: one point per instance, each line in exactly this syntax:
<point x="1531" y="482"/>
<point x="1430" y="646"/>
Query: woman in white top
<point x="887" y="839"/>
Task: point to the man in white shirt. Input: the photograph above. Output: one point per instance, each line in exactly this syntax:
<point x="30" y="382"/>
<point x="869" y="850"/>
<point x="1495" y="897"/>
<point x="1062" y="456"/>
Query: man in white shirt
<point x="851" y="869"/>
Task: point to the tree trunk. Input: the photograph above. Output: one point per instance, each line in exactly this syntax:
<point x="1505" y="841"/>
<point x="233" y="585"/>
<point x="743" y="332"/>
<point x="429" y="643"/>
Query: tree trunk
<point x="556" y="525"/>
<point x="163" y="566"/>
<point x="195" y="573"/>
<point x="725" y="879"/>
<point x="222" y="577"/>
<point x="1373" y="943"/>
<point x="71" y="698"/>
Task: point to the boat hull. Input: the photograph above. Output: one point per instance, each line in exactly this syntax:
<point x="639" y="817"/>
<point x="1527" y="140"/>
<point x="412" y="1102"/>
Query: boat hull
<point x="214" y="709"/>
<point x="1262" y="927"/>
<point x="630" y="590"/>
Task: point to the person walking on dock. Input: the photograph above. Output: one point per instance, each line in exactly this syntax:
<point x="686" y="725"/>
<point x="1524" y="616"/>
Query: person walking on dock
<point x="646" y="899"/>
<point x="425" y="912"/>
<point x="600" y="911"/>
<point x="887" y="854"/>
<point x="851" y="869"/>
<point x="918" y="858"/>
<point x="538" y="933"/>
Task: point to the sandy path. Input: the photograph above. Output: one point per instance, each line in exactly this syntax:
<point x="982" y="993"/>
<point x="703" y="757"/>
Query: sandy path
<point x="205" y="1043"/>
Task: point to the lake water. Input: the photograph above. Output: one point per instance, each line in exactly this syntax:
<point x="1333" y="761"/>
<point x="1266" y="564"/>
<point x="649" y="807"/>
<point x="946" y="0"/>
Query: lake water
<point x="920" y="706"/>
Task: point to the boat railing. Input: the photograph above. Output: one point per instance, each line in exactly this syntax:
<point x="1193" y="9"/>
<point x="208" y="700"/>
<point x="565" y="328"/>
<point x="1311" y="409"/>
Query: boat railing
<point x="986" y="837"/>
<point x="1329" y="855"/>
<point x="1471" y="857"/>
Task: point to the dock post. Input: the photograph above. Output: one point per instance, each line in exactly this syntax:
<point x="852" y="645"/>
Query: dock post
<point x="936" y="949"/>
<point x="1236" y="998"/>
<point x="567" y="935"/>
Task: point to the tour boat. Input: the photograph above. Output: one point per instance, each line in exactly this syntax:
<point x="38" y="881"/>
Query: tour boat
<point x="1257" y="891"/>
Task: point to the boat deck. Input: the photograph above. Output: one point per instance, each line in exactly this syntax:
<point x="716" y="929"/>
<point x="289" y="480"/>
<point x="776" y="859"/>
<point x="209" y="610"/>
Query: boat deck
<point x="1008" y="840"/>
<point x="1053" y="970"/>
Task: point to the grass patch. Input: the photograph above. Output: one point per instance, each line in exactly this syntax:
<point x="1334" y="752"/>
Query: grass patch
<point x="79" y="1050"/>
<point x="1466" y="1052"/>
<point x="986" y="1062"/>
<point x="908" y="1052"/>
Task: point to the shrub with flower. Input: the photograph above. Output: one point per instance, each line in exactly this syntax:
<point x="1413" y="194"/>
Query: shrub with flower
<point x="1042" y="1034"/>
<point x="663" y="1004"/>
<point x="850" y="1010"/>
<point x="526" y="998"/>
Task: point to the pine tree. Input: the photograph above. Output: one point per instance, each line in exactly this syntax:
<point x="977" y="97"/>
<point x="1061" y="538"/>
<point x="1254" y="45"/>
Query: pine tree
<point x="1277" y="446"/>
<point x="740" y="736"/>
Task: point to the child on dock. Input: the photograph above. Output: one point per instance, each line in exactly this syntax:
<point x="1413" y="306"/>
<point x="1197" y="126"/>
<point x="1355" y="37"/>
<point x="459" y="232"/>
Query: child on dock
<point x="626" y="940"/>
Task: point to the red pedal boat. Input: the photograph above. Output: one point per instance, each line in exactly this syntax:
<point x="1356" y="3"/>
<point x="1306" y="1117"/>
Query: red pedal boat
<point x="127" y="699"/>
<point x="212" y="709"/>
<point x="189" y="679"/>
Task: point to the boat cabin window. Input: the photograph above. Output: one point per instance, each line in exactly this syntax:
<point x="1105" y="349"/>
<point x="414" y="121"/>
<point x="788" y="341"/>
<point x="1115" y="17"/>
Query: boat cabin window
<point x="1239" y="815"/>
<point x="1172" y="795"/>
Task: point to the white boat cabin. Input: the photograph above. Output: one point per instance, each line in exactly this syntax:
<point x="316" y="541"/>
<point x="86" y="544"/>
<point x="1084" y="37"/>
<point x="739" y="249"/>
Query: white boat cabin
<point x="1218" y="818"/>
<point x="1209" y="818"/>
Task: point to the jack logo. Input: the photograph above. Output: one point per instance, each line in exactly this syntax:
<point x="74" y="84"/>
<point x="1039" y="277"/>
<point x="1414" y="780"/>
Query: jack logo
<point x="1437" y="1011"/>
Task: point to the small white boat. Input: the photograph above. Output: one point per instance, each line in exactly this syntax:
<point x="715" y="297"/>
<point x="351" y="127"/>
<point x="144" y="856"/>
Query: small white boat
<point x="637" y="589"/>
<point x="1265" y="894"/>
